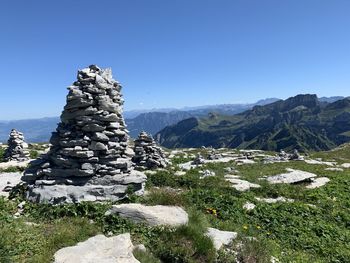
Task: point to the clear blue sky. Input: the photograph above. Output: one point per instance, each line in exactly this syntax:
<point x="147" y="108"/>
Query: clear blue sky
<point x="172" y="53"/>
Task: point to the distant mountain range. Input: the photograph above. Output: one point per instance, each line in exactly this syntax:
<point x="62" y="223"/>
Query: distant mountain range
<point x="151" y="121"/>
<point x="303" y="122"/>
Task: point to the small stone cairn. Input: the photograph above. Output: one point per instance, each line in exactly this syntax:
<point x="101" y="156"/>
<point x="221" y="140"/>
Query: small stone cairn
<point x="89" y="159"/>
<point x="213" y="155"/>
<point x="17" y="149"/>
<point x="198" y="160"/>
<point x="147" y="153"/>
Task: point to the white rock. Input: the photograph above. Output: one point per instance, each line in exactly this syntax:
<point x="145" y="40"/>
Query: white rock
<point x="220" y="238"/>
<point x="151" y="215"/>
<point x="274" y="200"/>
<point x="189" y="166"/>
<point x="206" y="173"/>
<point x="99" y="249"/>
<point x="179" y="173"/>
<point x="8" y="180"/>
<point x="293" y="176"/>
<point x="345" y="165"/>
<point x="240" y="185"/>
<point x="244" y="161"/>
<point x="310" y="161"/>
<point x="248" y="206"/>
<point x="9" y="164"/>
<point x="318" y="182"/>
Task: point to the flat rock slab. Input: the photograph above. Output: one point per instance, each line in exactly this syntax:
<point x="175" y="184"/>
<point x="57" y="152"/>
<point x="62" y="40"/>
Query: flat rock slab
<point x="244" y="161"/>
<point x="293" y="176"/>
<point x="116" y="249"/>
<point x="220" y="238"/>
<point x="310" y="161"/>
<point x="7" y="181"/>
<point x="6" y="165"/>
<point x="274" y="200"/>
<point x="239" y="184"/>
<point x="345" y="165"/>
<point x="318" y="182"/>
<point x="180" y="173"/>
<point x="151" y="215"/>
<point x="188" y="165"/>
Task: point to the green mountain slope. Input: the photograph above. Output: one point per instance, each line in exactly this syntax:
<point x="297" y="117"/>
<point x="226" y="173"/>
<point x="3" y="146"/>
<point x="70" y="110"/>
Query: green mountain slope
<point x="300" y="122"/>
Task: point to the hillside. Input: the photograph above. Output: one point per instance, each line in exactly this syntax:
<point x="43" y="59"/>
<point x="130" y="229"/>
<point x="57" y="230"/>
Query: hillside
<point x="296" y="222"/>
<point x="35" y="130"/>
<point x="301" y="122"/>
<point x="151" y="121"/>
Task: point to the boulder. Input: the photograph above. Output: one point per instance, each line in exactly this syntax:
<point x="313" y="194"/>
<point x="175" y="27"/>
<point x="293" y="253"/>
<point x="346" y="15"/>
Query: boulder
<point x="8" y="181"/>
<point x="116" y="249"/>
<point x="291" y="177"/>
<point x="220" y="238"/>
<point x="318" y="182"/>
<point x="240" y="185"/>
<point x="151" y="215"/>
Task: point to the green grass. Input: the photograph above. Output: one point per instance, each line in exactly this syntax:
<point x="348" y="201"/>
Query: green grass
<point x="2" y="152"/>
<point x="314" y="228"/>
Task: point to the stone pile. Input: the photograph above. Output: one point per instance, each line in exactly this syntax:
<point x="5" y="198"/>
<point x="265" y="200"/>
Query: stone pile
<point x="147" y="153"/>
<point x="282" y="156"/>
<point x="17" y="149"/>
<point x="213" y="155"/>
<point x="198" y="160"/>
<point x="89" y="159"/>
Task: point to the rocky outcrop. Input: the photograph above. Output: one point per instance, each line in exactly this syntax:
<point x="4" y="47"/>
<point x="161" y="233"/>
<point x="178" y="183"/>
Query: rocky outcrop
<point x="291" y="177"/>
<point x="220" y="238"/>
<point x="89" y="159"/>
<point x="151" y="215"/>
<point x="99" y="249"/>
<point x="239" y="184"/>
<point x="318" y="182"/>
<point x="8" y="181"/>
<point x="147" y="153"/>
<point x="17" y="149"/>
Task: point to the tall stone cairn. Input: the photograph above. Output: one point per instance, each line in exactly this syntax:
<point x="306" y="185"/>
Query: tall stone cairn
<point x="89" y="159"/>
<point x="17" y="149"/>
<point x="147" y="153"/>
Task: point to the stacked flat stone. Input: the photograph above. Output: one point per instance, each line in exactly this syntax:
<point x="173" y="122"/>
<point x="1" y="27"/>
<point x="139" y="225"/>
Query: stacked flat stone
<point x="89" y="159"/>
<point x="198" y="160"/>
<point x="17" y="149"/>
<point x="147" y="153"/>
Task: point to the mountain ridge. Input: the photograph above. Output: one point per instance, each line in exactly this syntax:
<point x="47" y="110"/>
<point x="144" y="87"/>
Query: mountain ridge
<point x="301" y="122"/>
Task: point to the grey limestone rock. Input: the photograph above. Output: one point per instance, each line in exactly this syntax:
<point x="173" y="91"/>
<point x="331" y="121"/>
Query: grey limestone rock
<point x="89" y="159"/>
<point x="148" y="154"/>
<point x="151" y="215"/>
<point x="99" y="249"/>
<point x="17" y="149"/>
